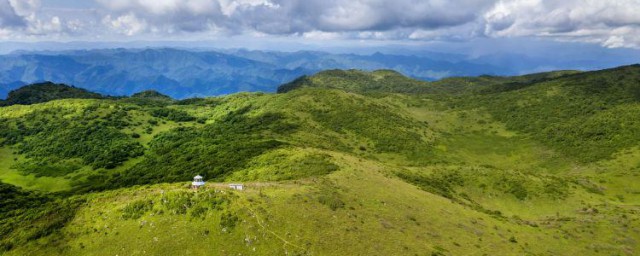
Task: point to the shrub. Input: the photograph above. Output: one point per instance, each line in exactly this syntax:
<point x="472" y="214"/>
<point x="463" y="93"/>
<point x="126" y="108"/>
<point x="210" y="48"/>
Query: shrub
<point x="331" y="199"/>
<point x="172" y="114"/>
<point x="441" y="182"/>
<point x="228" y="220"/>
<point x="136" y="209"/>
<point x="199" y="211"/>
<point x="177" y="202"/>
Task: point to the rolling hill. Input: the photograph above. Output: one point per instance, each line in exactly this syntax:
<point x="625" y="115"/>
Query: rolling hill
<point x="341" y="162"/>
<point x="43" y="92"/>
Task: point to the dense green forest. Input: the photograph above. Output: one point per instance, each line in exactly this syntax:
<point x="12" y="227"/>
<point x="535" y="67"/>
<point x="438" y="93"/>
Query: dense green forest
<point x="47" y="91"/>
<point x="341" y="162"/>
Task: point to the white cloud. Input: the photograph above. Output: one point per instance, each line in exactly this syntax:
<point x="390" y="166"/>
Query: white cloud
<point x="609" y="23"/>
<point x="10" y="16"/>
<point x="127" y="24"/>
<point x="229" y="7"/>
<point x="579" y="20"/>
<point x="25" y="7"/>
<point x="31" y="21"/>
<point x="320" y="35"/>
<point x="168" y="16"/>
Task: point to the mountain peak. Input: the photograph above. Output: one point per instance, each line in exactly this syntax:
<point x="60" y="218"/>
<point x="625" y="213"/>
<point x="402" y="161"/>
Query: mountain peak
<point x="358" y="81"/>
<point x="150" y="94"/>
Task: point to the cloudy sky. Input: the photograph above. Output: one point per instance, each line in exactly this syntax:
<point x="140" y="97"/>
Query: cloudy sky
<point x="607" y="24"/>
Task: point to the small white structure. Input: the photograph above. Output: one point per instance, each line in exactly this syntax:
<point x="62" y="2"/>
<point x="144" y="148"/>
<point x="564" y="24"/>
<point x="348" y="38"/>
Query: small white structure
<point x="236" y="186"/>
<point x="197" y="182"/>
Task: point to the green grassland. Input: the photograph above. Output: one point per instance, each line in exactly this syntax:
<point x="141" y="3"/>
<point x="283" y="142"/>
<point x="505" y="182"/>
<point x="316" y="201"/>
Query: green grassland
<point x="340" y="163"/>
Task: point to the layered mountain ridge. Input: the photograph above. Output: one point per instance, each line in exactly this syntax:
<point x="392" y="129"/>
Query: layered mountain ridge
<point x="184" y="73"/>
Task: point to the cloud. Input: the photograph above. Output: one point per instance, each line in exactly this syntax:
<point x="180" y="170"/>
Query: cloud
<point x="23" y="19"/>
<point x="608" y="23"/>
<point x="25" y="7"/>
<point x="9" y="17"/>
<point x="165" y="16"/>
<point x="297" y="17"/>
<point x="126" y="24"/>
<point x="291" y="16"/>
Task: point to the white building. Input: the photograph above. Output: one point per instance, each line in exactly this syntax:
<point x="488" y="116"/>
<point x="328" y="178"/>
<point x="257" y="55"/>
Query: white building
<point x="236" y="186"/>
<point x="197" y="182"/>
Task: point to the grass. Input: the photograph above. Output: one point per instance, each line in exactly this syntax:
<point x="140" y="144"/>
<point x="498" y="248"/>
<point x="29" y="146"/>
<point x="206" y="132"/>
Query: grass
<point x="286" y="164"/>
<point x="31" y="182"/>
<point x="349" y="173"/>
<point x="290" y="217"/>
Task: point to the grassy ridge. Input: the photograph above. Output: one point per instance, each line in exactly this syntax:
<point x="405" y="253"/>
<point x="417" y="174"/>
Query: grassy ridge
<point x="348" y="211"/>
<point x="344" y="162"/>
<point x="588" y="116"/>
<point x="380" y="81"/>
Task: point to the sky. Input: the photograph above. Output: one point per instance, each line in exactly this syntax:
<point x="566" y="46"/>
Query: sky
<point x="469" y="23"/>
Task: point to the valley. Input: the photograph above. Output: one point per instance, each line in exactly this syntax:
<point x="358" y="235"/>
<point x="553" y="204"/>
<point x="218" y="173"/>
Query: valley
<point x="342" y="162"/>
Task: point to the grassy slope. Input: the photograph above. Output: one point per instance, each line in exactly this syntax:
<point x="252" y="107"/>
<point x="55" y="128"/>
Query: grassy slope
<point x="7" y="175"/>
<point x="274" y="218"/>
<point x="476" y="185"/>
<point x="72" y="108"/>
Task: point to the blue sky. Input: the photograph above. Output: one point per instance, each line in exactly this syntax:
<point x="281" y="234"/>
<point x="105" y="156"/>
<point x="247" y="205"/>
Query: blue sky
<point x="471" y="25"/>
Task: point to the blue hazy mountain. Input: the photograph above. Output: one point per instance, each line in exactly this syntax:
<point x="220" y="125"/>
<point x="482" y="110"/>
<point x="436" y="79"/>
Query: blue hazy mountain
<point x="188" y="73"/>
<point x="430" y="67"/>
<point x="121" y="72"/>
<point x="182" y="73"/>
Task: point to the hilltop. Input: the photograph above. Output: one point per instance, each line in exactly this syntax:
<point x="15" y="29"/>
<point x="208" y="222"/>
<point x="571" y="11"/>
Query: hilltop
<point x="47" y="91"/>
<point x="340" y="162"/>
<point x="379" y="81"/>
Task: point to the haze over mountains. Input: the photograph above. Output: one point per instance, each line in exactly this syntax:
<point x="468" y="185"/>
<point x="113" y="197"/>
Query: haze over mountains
<point x="184" y="73"/>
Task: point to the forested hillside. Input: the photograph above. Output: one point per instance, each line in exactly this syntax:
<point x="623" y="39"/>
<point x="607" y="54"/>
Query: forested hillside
<point x="344" y="162"/>
<point x="43" y="92"/>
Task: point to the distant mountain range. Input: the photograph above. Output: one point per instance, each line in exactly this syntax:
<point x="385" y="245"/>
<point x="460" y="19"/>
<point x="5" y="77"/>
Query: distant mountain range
<point x="182" y="73"/>
<point x="189" y="73"/>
